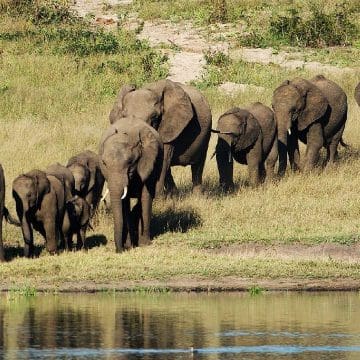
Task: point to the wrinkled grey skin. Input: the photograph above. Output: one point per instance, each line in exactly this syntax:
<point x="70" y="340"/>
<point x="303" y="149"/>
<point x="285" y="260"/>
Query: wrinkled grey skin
<point x="63" y="174"/>
<point x="357" y="94"/>
<point x="89" y="180"/>
<point x="249" y="137"/>
<point x="4" y="213"/>
<point x="131" y="158"/>
<point x="76" y="221"/>
<point x="2" y="204"/>
<point x="315" y="113"/>
<point x="182" y="117"/>
<point x="40" y="204"/>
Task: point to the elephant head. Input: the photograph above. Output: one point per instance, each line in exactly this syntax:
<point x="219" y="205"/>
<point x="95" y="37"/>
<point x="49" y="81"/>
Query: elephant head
<point x="238" y="130"/>
<point x="129" y="151"/>
<point x="357" y="93"/>
<point x="164" y="105"/>
<point x="79" y="211"/>
<point x="297" y="104"/>
<point x="28" y="192"/>
<point x="82" y="177"/>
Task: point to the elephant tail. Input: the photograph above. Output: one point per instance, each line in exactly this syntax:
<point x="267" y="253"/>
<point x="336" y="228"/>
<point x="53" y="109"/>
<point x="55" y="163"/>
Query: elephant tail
<point x="9" y="218"/>
<point x="343" y="143"/>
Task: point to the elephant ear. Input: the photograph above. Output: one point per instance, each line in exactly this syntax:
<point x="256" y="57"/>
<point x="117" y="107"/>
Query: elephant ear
<point x="316" y="103"/>
<point x="42" y="184"/>
<point x="116" y="111"/>
<point x="177" y="112"/>
<point x="150" y="149"/>
<point x="357" y="93"/>
<point x="250" y="133"/>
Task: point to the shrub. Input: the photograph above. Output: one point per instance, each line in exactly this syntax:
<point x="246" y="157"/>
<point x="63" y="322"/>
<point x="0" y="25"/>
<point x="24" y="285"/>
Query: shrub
<point x="40" y="11"/>
<point x="318" y="30"/>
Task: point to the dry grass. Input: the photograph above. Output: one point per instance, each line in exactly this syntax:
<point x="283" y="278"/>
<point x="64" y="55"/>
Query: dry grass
<point x="51" y="108"/>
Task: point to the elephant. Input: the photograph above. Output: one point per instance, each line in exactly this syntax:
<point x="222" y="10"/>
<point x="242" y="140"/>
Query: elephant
<point x="63" y="174"/>
<point x="249" y="136"/>
<point x="131" y="155"/>
<point x="357" y="94"/>
<point x="76" y="221"/>
<point x="40" y="204"/>
<point x="89" y="180"/>
<point x="181" y="115"/>
<point x="313" y="112"/>
<point x="4" y="213"/>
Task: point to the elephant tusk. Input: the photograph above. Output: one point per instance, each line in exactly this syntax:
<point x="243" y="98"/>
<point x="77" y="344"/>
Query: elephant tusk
<point x="212" y="156"/>
<point x="125" y="193"/>
<point x="105" y="195"/>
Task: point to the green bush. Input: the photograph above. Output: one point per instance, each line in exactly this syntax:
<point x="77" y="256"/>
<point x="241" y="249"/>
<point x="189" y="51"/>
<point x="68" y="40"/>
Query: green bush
<point x="319" y="29"/>
<point x="40" y="11"/>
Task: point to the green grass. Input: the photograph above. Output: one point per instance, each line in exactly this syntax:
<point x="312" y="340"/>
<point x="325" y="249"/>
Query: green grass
<point x="55" y="97"/>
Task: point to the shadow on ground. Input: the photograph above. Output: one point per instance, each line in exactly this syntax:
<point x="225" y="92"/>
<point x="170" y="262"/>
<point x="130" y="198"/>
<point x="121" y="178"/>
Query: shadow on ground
<point x="96" y="240"/>
<point x="175" y="220"/>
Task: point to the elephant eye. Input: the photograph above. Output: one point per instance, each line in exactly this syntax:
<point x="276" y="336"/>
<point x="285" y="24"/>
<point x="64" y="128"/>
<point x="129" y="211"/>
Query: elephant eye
<point x="103" y="162"/>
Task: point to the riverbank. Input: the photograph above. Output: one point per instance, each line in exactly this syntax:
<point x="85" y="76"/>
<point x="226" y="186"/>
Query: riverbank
<point x="160" y="269"/>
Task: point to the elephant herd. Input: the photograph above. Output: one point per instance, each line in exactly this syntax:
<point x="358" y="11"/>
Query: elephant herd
<point x="164" y="124"/>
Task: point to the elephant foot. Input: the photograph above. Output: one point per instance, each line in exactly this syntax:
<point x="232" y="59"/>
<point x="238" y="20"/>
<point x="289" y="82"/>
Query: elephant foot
<point x="144" y="242"/>
<point x="197" y="189"/>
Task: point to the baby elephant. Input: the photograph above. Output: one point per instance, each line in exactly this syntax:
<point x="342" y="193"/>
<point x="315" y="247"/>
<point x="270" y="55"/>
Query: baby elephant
<point x="76" y="221"/>
<point x="249" y="136"/>
<point x="89" y="180"/>
<point x="40" y="204"/>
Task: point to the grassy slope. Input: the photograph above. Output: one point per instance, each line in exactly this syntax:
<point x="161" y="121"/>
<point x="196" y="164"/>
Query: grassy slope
<point x="54" y="105"/>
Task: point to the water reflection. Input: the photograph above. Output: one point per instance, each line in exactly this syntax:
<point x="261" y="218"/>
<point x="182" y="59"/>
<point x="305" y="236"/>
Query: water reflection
<point x="168" y="326"/>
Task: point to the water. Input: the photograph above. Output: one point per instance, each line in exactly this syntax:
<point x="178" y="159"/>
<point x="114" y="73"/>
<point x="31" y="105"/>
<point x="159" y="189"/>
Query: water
<point x="181" y="326"/>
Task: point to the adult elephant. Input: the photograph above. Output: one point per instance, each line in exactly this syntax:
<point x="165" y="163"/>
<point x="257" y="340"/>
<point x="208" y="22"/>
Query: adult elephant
<point x="249" y="136"/>
<point x="40" y="204"/>
<point x="89" y="181"/>
<point x="357" y="93"/>
<point x="182" y="117"/>
<point x="315" y="113"/>
<point x="131" y="161"/>
<point x="4" y="213"/>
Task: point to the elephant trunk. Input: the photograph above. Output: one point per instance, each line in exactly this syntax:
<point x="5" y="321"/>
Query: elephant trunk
<point x="27" y="234"/>
<point x="282" y="146"/>
<point x="225" y="163"/>
<point x="118" y="191"/>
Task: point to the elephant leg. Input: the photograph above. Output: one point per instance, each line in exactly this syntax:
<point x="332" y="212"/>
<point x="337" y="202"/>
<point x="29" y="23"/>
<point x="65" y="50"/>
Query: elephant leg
<point x="315" y="140"/>
<point x="196" y="173"/>
<point x="135" y="219"/>
<point x="69" y="241"/>
<point x="271" y="161"/>
<point x="225" y="164"/>
<point x="144" y="223"/>
<point x="294" y="153"/>
<point x="170" y="185"/>
<point x="168" y="153"/>
<point x="332" y="147"/>
<point x="51" y="232"/>
<point x="80" y="238"/>
<point x="28" y="236"/>
<point x="255" y="164"/>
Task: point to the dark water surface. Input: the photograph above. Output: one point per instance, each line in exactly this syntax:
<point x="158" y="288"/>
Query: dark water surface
<point x="168" y="326"/>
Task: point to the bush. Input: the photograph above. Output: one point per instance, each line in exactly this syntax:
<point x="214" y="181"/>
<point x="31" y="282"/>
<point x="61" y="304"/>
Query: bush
<point x="40" y="11"/>
<point x="318" y="30"/>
